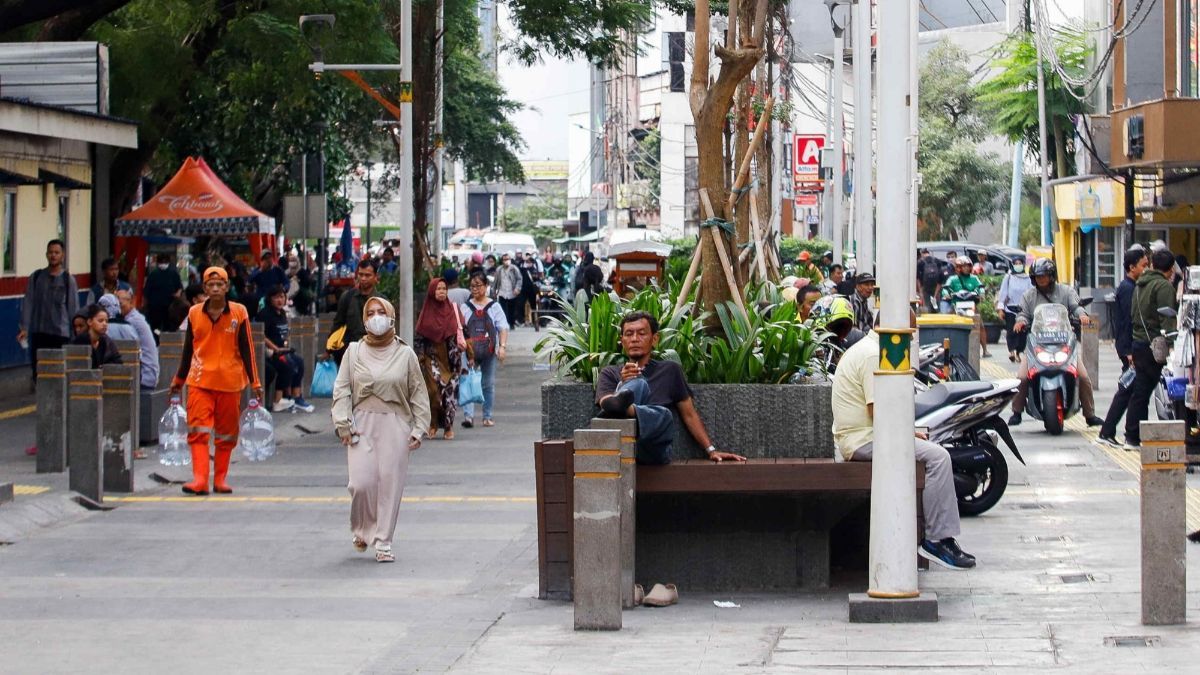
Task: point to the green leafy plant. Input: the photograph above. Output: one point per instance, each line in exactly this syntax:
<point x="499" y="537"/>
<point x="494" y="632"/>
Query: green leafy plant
<point x="770" y="346"/>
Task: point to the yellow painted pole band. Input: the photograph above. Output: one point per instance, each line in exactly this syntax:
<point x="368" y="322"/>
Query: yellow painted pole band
<point x="1177" y="466"/>
<point x="628" y="460"/>
<point x="601" y="453"/>
<point x="605" y="475"/>
<point x="1163" y="444"/>
<point x="885" y="595"/>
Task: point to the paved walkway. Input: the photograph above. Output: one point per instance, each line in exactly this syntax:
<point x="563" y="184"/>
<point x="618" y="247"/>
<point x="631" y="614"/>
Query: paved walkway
<point x="265" y="579"/>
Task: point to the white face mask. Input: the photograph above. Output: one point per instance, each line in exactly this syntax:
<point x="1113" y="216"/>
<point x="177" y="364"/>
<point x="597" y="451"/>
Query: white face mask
<point x="378" y="324"/>
<point x="163" y="266"/>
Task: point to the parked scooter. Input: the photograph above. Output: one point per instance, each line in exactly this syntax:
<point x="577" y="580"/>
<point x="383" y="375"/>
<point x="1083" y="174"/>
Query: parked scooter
<point x="1052" y="353"/>
<point x="965" y="418"/>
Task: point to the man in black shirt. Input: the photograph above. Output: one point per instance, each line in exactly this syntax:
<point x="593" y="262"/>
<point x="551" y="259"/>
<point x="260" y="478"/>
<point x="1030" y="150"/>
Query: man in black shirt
<point x="652" y="391"/>
<point x="350" y="306"/>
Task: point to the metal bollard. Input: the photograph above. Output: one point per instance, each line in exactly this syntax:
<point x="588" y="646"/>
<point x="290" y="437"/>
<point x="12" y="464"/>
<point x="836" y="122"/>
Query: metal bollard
<point x="628" y="430"/>
<point x="1164" y="523"/>
<point x="303" y="339"/>
<point x="597" y="546"/>
<point x="1089" y="343"/>
<point x="52" y="411"/>
<point x="85" y="420"/>
<point x="974" y="350"/>
<point x="170" y="350"/>
<point x="120" y="429"/>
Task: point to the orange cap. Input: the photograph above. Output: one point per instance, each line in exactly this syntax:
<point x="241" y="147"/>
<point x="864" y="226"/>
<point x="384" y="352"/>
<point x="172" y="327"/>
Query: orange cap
<point x="804" y="256"/>
<point x="217" y="271"/>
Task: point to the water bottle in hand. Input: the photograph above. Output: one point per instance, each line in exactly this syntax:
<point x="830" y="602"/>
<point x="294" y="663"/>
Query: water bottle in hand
<point x="256" y="433"/>
<point x="173" y="447"/>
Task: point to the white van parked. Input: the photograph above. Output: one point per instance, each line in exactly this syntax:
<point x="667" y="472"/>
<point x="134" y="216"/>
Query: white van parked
<point x="498" y="243"/>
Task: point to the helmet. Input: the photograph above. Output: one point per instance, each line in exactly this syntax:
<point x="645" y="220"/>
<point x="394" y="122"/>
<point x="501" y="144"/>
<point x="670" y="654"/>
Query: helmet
<point x="1044" y="267"/>
<point x="477" y="257"/>
<point x="831" y="308"/>
<point x="962" y="260"/>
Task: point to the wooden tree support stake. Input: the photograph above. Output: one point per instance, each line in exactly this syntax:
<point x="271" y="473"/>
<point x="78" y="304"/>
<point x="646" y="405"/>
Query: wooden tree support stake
<point x="721" y="253"/>
<point x="756" y="225"/>
<point x="690" y="278"/>
<point x="755" y="141"/>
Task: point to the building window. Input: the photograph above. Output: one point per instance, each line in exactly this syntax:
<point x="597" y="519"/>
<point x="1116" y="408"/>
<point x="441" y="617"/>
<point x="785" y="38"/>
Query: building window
<point x="64" y="215"/>
<point x="1109" y="258"/>
<point x="9" y="232"/>
<point x="689" y="141"/>
<point x="1189" y="50"/>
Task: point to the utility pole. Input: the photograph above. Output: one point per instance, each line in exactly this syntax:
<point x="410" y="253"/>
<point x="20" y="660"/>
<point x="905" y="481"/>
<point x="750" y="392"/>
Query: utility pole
<point x="835" y="204"/>
<point x="892" y="572"/>
<point x="404" y="313"/>
<point x="1047" y="237"/>
<point x="439" y="148"/>
<point x="1012" y="20"/>
<point x="864" y="221"/>
<point x="367" y="247"/>
<point x="914" y="132"/>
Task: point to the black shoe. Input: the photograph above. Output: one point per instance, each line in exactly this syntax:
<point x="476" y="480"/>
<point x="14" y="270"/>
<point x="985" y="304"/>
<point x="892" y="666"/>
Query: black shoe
<point x="945" y="555"/>
<point x="952" y="544"/>
<point x="468" y="423"/>
<point x="1133" y="446"/>
<point x="618" y="404"/>
<point x="1110" y="440"/>
<point x="1014" y="420"/>
<point x="1094" y="421"/>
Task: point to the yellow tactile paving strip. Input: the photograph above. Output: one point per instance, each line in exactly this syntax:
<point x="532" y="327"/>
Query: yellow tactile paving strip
<point x="272" y="499"/>
<point x="1129" y="461"/>
<point x="29" y="489"/>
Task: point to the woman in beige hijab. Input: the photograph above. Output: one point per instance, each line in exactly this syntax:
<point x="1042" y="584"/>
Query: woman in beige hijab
<point x="380" y="411"/>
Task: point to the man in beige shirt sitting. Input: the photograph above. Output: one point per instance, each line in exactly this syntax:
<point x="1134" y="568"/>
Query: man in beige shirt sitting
<point x="854" y="432"/>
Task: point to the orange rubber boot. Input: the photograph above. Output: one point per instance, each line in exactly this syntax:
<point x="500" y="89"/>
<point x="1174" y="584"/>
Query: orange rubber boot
<point x="221" y="470"/>
<point x="199" y="484"/>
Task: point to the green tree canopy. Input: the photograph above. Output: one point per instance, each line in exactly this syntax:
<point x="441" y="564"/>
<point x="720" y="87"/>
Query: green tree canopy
<point x="959" y="184"/>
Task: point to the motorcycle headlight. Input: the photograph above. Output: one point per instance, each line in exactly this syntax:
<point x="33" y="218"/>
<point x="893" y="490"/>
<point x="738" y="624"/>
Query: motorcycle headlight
<point x="1045" y="357"/>
<point x="1061" y="357"/>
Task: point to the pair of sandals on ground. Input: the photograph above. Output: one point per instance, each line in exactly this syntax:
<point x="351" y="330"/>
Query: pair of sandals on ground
<point x="660" y="595"/>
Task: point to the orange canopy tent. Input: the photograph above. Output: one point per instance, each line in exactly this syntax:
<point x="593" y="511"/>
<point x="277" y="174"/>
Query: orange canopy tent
<point x="193" y="203"/>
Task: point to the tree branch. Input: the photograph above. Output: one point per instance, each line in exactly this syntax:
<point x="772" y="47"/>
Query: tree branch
<point x="760" y="24"/>
<point x="71" y="25"/>
<point x="700" y="57"/>
<point x="17" y="13"/>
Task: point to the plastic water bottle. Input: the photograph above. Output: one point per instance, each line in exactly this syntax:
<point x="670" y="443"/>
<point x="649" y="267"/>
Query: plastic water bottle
<point x="256" y="434"/>
<point x="173" y="447"/>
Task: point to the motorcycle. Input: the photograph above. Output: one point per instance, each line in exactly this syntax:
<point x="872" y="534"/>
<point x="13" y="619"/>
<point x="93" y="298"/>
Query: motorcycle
<point x="964" y="303"/>
<point x="1052" y="353"/>
<point x="550" y="304"/>
<point x="965" y="418"/>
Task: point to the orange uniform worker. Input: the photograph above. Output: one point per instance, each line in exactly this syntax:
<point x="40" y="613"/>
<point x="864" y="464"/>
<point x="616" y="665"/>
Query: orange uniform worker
<point x="217" y="364"/>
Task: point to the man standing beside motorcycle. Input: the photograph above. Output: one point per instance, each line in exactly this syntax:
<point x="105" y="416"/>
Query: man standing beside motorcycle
<point x="1047" y="290"/>
<point x="1135" y="264"/>
<point x="964" y="282"/>
<point x="1154" y="291"/>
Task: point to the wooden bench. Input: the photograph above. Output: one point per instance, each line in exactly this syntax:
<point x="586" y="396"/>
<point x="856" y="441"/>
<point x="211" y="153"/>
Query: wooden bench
<point x="776" y="517"/>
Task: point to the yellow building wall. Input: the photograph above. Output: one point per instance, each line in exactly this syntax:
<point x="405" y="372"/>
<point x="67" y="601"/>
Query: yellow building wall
<point x="1064" y="251"/>
<point x="79" y="236"/>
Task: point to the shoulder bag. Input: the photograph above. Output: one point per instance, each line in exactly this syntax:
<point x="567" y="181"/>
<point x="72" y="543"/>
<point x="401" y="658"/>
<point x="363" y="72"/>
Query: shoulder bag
<point x="1159" y="347"/>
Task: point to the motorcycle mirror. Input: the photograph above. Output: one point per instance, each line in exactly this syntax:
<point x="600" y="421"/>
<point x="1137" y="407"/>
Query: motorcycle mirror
<point x="1167" y="311"/>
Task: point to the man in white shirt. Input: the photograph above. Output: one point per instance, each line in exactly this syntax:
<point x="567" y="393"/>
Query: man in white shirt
<point x="853" y="400"/>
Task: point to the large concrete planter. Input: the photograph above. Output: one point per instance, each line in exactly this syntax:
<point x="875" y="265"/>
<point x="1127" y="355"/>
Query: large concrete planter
<point x="755" y="420"/>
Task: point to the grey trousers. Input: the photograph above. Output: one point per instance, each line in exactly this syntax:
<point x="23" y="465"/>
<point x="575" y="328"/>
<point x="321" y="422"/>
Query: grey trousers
<point x="939" y="500"/>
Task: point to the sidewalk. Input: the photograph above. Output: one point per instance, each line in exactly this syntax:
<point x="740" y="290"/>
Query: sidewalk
<point x="1057" y="588"/>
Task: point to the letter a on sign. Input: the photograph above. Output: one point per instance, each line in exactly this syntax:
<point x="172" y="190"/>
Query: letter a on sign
<point x="808" y="155"/>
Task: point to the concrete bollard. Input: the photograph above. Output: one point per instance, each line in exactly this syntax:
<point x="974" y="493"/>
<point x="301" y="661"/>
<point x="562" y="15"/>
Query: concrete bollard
<point x="85" y="420"/>
<point x="120" y="429"/>
<point x="78" y="357"/>
<point x="597" y="520"/>
<point x="303" y="339"/>
<point x="1089" y="344"/>
<point x="52" y="411"/>
<point x="170" y="350"/>
<point x="628" y="430"/>
<point x="1164" y="523"/>
<point x="973" y="347"/>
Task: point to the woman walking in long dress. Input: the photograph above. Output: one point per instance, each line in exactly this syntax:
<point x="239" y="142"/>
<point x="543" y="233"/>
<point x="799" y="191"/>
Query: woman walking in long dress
<point x="436" y="341"/>
<point x="380" y="411"/>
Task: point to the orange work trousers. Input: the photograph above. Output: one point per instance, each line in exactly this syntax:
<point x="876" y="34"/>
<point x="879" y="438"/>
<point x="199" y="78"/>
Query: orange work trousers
<point x="212" y="425"/>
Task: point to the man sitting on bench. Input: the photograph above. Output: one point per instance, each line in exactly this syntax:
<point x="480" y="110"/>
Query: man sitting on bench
<point x="853" y="431"/>
<point x="651" y="391"/>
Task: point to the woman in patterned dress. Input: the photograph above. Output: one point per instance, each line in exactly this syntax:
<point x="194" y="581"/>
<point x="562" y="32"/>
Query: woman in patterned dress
<point x="439" y="346"/>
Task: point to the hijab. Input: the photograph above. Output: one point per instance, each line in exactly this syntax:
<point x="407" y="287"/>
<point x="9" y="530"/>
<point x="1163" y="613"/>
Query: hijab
<point x="439" y="319"/>
<point x="388" y="337"/>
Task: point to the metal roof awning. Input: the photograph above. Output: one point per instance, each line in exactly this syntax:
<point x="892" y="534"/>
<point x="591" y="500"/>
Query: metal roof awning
<point x="61" y="181"/>
<point x="11" y="178"/>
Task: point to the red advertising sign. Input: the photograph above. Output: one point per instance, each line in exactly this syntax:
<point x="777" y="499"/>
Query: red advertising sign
<point x="806" y="200"/>
<point x="806" y="155"/>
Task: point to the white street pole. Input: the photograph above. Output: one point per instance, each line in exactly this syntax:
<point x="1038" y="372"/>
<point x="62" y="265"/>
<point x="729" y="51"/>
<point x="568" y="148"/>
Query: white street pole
<point x="835" y="204"/>
<point x="404" y="313"/>
<point x="1012" y="21"/>
<point x="864" y="222"/>
<point x="893" y="548"/>
<point x="1047" y="238"/>
<point x="914" y="131"/>
<point x="827" y="192"/>
<point x="439" y="152"/>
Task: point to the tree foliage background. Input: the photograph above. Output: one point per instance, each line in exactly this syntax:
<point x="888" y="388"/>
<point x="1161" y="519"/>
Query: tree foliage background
<point x="960" y="185"/>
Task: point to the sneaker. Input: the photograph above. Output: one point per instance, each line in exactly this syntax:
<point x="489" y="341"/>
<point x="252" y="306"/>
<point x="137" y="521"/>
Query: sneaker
<point x="1014" y="420"/>
<point x="1133" y="446"/>
<point x="468" y="422"/>
<point x="946" y="556"/>
<point x="283" y="405"/>
<point x="1094" y="421"/>
<point x="302" y="406"/>
<point x="952" y="544"/>
<point x="1110" y="441"/>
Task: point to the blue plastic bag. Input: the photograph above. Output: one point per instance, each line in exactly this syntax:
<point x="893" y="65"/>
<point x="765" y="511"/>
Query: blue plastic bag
<point x="470" y="387"/>
<point x="1177" y="388"/>
<point x="324" y="374"/>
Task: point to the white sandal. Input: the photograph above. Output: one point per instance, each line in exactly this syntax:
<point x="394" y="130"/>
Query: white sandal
<point x="384" y="555"/>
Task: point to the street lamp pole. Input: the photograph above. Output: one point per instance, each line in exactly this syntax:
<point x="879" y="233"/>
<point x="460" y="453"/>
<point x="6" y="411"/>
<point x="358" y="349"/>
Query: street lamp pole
<point x="864" y="222"/>
<point x="404" y="313"/>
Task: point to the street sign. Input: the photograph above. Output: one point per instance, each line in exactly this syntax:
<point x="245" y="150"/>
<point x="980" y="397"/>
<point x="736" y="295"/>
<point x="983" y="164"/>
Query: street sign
<point x="807" y="200"/>
<point x="806" y="157"/>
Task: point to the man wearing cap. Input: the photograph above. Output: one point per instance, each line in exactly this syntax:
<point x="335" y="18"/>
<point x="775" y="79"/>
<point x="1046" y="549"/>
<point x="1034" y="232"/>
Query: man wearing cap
<point x="269" y="275"/>
<point x="217" y="364"/>
<point x="864" y="288"/>
<point x="806" y="268"/>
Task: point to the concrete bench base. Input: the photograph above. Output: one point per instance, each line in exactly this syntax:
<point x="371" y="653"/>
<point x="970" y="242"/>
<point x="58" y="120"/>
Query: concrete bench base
<point x="6" y="492"/>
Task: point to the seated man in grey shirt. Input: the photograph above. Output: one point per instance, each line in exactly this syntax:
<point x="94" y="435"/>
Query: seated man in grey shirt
<point x="651" y="391"/>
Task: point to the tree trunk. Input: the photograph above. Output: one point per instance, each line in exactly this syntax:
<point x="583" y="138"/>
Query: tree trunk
<point x="71" y="25"/>
<point x="1060" y="150"/>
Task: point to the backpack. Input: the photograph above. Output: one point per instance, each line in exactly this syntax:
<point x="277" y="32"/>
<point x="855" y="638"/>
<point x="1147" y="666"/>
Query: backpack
<point x="480" y="331"/>
<point x="931" y="271"/>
